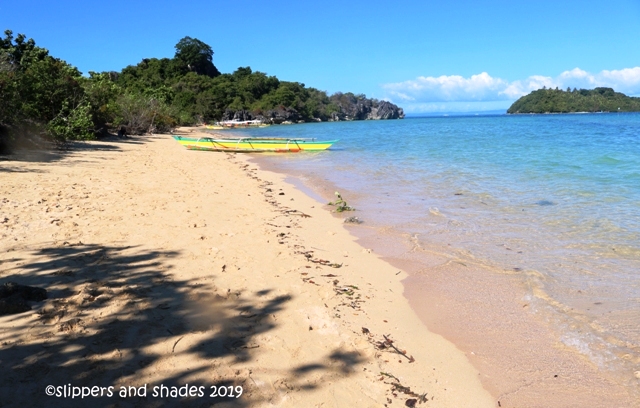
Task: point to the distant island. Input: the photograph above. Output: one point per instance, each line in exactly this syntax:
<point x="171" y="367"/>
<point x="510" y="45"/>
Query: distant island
<point x="584" y="100"/>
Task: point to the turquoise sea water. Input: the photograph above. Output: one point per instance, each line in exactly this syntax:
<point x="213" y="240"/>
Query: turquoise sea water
<point x="555" y="198"/>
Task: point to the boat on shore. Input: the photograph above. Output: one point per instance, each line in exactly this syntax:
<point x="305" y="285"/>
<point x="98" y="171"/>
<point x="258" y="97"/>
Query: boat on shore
<point x="254" y="144"/>
<point x="237" y="124"/>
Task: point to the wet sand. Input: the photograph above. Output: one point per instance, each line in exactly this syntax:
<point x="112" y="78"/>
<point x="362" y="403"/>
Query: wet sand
<point x="171" y="267"/>
<point x="489" y="314"/>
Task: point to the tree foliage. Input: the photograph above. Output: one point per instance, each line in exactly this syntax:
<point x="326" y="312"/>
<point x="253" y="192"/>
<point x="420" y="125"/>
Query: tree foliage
<point x="583" y="100"/>
<point x="39" y="92"/>
<point x="72" y="124"/>
<point x="195" y="56"/>
<point x="201" y="98"/>
<point x="141" y="114"/>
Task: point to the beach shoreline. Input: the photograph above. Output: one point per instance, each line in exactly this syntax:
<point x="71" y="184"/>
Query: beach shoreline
<point x="171" y="267"/>
<point x="489" y="313"/>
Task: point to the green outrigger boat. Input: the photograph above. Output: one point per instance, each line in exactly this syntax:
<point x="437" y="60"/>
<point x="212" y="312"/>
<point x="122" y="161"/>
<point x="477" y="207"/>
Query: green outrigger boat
<point x="253" y="144"/>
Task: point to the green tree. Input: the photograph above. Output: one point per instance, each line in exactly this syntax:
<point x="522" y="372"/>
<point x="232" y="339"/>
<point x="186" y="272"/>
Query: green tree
<point x="101" y="93"/>
<point x="72" y="124"/>
<point x="46" y="85"/>
<point x="20" y="51"/>
<point x="141" y="114"/>
<point x="40" y="92"/>
<point x="8" y="92"/>
<point x="196" y="56"/>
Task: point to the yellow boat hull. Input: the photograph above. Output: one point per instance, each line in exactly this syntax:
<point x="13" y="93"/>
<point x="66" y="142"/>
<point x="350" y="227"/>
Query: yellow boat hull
<point x="253" y="144"/>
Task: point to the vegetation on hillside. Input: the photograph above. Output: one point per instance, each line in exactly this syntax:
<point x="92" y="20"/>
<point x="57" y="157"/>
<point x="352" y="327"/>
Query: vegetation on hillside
<point x="40" y="92"/>
<point x="199" y="98"/>
<point x="46" y="96"/>
<point x="583" y="100"/>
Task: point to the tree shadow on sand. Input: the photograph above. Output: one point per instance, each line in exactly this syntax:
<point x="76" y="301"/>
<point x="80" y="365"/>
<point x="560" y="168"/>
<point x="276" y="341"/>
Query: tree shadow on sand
<point x="115" y="313"/>
<point x="47" y="152"/>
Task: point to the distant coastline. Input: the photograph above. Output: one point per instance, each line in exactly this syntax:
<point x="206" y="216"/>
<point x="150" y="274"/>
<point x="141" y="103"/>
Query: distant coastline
<point x="501" y="112"/>
<point x="570" y="113"/>
<point x="48" y="98"/>
<point x="494" y="112"/>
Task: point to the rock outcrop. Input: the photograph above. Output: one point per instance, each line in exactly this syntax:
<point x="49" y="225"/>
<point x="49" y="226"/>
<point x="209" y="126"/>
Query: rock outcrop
<point x="386" y="110"/>
<point x="277" y="116"/>
<point x="349" y="107"/>
<point x="357" y="107"/>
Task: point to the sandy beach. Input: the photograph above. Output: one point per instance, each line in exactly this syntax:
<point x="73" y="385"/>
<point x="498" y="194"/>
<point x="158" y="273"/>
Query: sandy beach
<point x="170" y="268"/>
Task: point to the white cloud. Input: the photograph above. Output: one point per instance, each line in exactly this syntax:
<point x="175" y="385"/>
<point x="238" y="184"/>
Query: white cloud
<point x="450" y="88"/>
<point x="431" y="91"/>
<point x="625" y="80"/>
<point x="517" y="89"/>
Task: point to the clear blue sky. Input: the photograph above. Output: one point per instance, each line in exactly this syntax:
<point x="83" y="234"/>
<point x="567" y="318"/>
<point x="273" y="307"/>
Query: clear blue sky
<point x="423" y="55"/>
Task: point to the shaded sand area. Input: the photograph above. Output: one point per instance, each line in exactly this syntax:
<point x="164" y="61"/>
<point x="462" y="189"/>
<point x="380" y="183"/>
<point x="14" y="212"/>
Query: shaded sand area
<point x="170" y="267"/>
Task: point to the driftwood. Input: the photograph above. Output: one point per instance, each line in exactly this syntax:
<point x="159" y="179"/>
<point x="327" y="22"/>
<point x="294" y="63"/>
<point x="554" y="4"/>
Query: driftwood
<point x="389" y="343"/>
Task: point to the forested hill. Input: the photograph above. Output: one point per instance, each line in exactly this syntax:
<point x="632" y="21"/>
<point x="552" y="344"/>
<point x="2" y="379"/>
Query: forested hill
<point x="48" y="97"/>
<point x="583" y="100"/>
<point x="243" y="94"/>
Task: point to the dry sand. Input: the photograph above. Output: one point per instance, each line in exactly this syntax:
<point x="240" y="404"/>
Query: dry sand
<point x="171" y="267"/>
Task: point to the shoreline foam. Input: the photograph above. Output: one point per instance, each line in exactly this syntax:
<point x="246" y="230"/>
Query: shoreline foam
<point x="166" y="266"/>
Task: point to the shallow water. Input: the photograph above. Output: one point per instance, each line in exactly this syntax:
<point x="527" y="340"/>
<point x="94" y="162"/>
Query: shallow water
<point x="552" y="199"/>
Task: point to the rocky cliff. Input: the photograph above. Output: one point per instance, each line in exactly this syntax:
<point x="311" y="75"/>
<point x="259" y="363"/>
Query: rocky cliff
<point x="357" y="107"/>
<point x="345" y="107"/>
<point x="277" y="116"/>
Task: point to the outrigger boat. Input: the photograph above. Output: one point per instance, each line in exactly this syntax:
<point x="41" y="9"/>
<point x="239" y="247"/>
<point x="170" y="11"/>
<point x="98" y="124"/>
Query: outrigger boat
<point x="234" y="124"/>
<point x="253" y="144"/>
